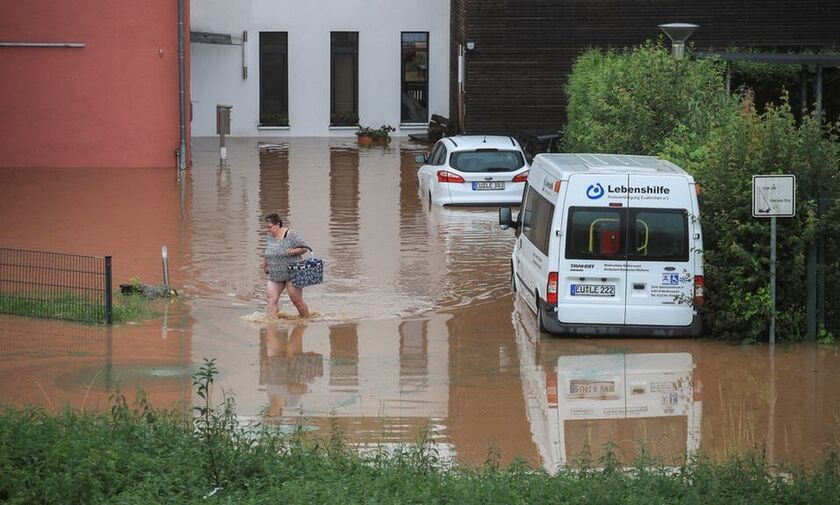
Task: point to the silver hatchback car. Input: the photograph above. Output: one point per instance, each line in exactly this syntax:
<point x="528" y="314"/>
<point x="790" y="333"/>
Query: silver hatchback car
<point x="473" y="170"/>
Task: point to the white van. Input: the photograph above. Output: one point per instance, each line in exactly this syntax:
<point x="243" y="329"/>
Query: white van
<point x="609" y="245"/>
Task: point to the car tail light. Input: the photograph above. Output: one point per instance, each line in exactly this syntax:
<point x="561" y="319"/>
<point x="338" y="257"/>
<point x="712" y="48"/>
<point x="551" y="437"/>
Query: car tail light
<point x="521" y="177"/>
<point x="699" y="291"/>
<point x="551" y="387"/>
<point x="697" y="188"/>
<point x="444" y="176"/>
<point x="551" y="288"/>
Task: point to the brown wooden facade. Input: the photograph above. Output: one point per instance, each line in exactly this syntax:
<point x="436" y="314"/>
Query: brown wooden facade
<point x="524" y="49"/>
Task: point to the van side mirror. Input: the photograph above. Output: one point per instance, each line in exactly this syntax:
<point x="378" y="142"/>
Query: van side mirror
<point x="420" y="158"/>
<point x="506" y="219"/>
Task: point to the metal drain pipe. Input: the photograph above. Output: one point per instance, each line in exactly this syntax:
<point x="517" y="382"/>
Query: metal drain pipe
<point x="182" y="145"/>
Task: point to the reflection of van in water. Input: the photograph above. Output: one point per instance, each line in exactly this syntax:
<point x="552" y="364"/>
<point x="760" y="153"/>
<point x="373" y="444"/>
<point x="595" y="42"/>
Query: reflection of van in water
<point x="627" y="399"/>
<point x="582" y="393"/>
<point x="609" y="244"/>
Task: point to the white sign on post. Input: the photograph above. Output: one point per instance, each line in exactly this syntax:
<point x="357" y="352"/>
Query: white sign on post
<point x="774" y="196"/>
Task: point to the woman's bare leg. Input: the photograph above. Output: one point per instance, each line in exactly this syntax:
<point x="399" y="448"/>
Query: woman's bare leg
<point x="296" y="295"/>
<point x="272" y="295"/>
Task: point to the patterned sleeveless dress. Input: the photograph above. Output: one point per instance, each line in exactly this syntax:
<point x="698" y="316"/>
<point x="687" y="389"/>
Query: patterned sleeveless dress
<point x="275" y="253"/>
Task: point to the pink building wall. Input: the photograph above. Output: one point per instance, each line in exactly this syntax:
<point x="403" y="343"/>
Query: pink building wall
<point x="112" y="103"/>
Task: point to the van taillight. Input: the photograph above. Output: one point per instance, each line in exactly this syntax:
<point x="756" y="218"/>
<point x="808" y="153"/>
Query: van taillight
<point x="551" y="387"/>
<point x="551" y="288"/>
<point x="444" y="176"/>
<point x="521" y="177"/>
<point x="699" y="290"/>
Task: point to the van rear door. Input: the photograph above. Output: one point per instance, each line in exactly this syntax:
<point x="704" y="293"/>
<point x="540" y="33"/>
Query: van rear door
<point x="660" y="265"/>
<point x="592" y="269"/>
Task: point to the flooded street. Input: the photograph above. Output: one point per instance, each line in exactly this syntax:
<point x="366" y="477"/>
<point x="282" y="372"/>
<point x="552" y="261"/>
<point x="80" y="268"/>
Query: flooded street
<point x="414" y="330"/>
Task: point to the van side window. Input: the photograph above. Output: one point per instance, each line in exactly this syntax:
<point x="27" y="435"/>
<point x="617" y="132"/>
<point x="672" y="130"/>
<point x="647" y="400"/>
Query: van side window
<point x="659" y="235"/>
<point x="521" y="209"/>
<point x="596" y="233"/>
<point x="536" y="217"/>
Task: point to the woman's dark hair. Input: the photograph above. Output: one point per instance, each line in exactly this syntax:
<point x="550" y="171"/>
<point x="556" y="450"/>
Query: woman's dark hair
<point x="274" y="218"/>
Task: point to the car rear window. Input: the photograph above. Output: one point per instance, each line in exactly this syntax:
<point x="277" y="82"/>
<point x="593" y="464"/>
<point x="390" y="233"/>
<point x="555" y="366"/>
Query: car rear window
<point x="487" y="160"/>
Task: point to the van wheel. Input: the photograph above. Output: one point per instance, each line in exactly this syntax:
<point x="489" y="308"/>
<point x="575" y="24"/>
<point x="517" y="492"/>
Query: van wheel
<point x="540" y="322"/>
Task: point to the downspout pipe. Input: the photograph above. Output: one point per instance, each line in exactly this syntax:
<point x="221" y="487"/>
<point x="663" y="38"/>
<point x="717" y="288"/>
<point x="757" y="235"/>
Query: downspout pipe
<point x="182" y="145"/>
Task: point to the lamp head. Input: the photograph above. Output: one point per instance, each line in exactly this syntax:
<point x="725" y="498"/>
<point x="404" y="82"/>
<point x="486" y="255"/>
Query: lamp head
<point x="678" y="33"/>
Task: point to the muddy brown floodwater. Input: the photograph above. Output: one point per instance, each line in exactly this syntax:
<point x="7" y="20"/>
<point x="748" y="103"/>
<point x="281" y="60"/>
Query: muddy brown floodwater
<point x="415" y="327"/>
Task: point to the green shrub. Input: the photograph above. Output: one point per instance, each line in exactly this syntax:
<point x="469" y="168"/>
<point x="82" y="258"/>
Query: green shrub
<point x="642" y="101"/>
<point x="739" y="144"/>
<point x="629" y="102"/>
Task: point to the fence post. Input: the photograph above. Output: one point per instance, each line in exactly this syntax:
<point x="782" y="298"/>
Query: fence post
<point x="109" y="301"/>
<point x="822" y="262"/>
<point x="811" y="293"/>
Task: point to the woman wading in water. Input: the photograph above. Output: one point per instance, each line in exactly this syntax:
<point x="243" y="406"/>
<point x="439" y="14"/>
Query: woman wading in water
<point x="284" y="247"/>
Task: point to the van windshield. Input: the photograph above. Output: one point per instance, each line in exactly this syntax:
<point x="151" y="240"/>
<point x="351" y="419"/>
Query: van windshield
<point x="487" y="160"/>
<point x="608" y="234"/>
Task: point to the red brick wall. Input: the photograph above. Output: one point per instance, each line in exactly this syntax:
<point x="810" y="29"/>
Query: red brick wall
<point x="112" y="103"/>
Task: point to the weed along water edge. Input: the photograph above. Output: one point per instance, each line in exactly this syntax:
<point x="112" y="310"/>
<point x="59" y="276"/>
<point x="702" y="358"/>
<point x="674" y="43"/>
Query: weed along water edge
<point x="414" y="332"/>
<point x="164" y="455"/>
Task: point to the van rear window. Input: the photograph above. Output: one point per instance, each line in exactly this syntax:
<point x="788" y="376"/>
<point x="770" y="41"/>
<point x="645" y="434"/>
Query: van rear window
<point x="659" y="235"/>
<point x="487" y="160"/>
<point x="627" y="234"/>
<point x="596" y="233"/>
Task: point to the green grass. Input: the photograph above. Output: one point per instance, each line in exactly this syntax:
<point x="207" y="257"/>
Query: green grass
<point x="72" y="307"/>
<point x="134" y="308"/>
<point x="141" y="455"/>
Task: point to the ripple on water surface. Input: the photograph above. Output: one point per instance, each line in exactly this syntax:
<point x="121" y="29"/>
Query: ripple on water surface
<point x="386" y="253"/>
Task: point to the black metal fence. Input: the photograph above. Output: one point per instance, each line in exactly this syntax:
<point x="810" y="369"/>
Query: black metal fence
<point x="828" y="277"/>
<point x="56" y="285"/>
<point x="831" y="315"/>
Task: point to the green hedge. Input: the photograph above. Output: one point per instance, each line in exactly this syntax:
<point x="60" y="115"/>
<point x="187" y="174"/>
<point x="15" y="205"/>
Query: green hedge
<point x="629" y="102"/>
<point x="642" y="101"/>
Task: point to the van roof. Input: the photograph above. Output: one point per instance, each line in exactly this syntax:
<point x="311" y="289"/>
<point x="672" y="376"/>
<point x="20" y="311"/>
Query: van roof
<point x="608" y="163"/>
